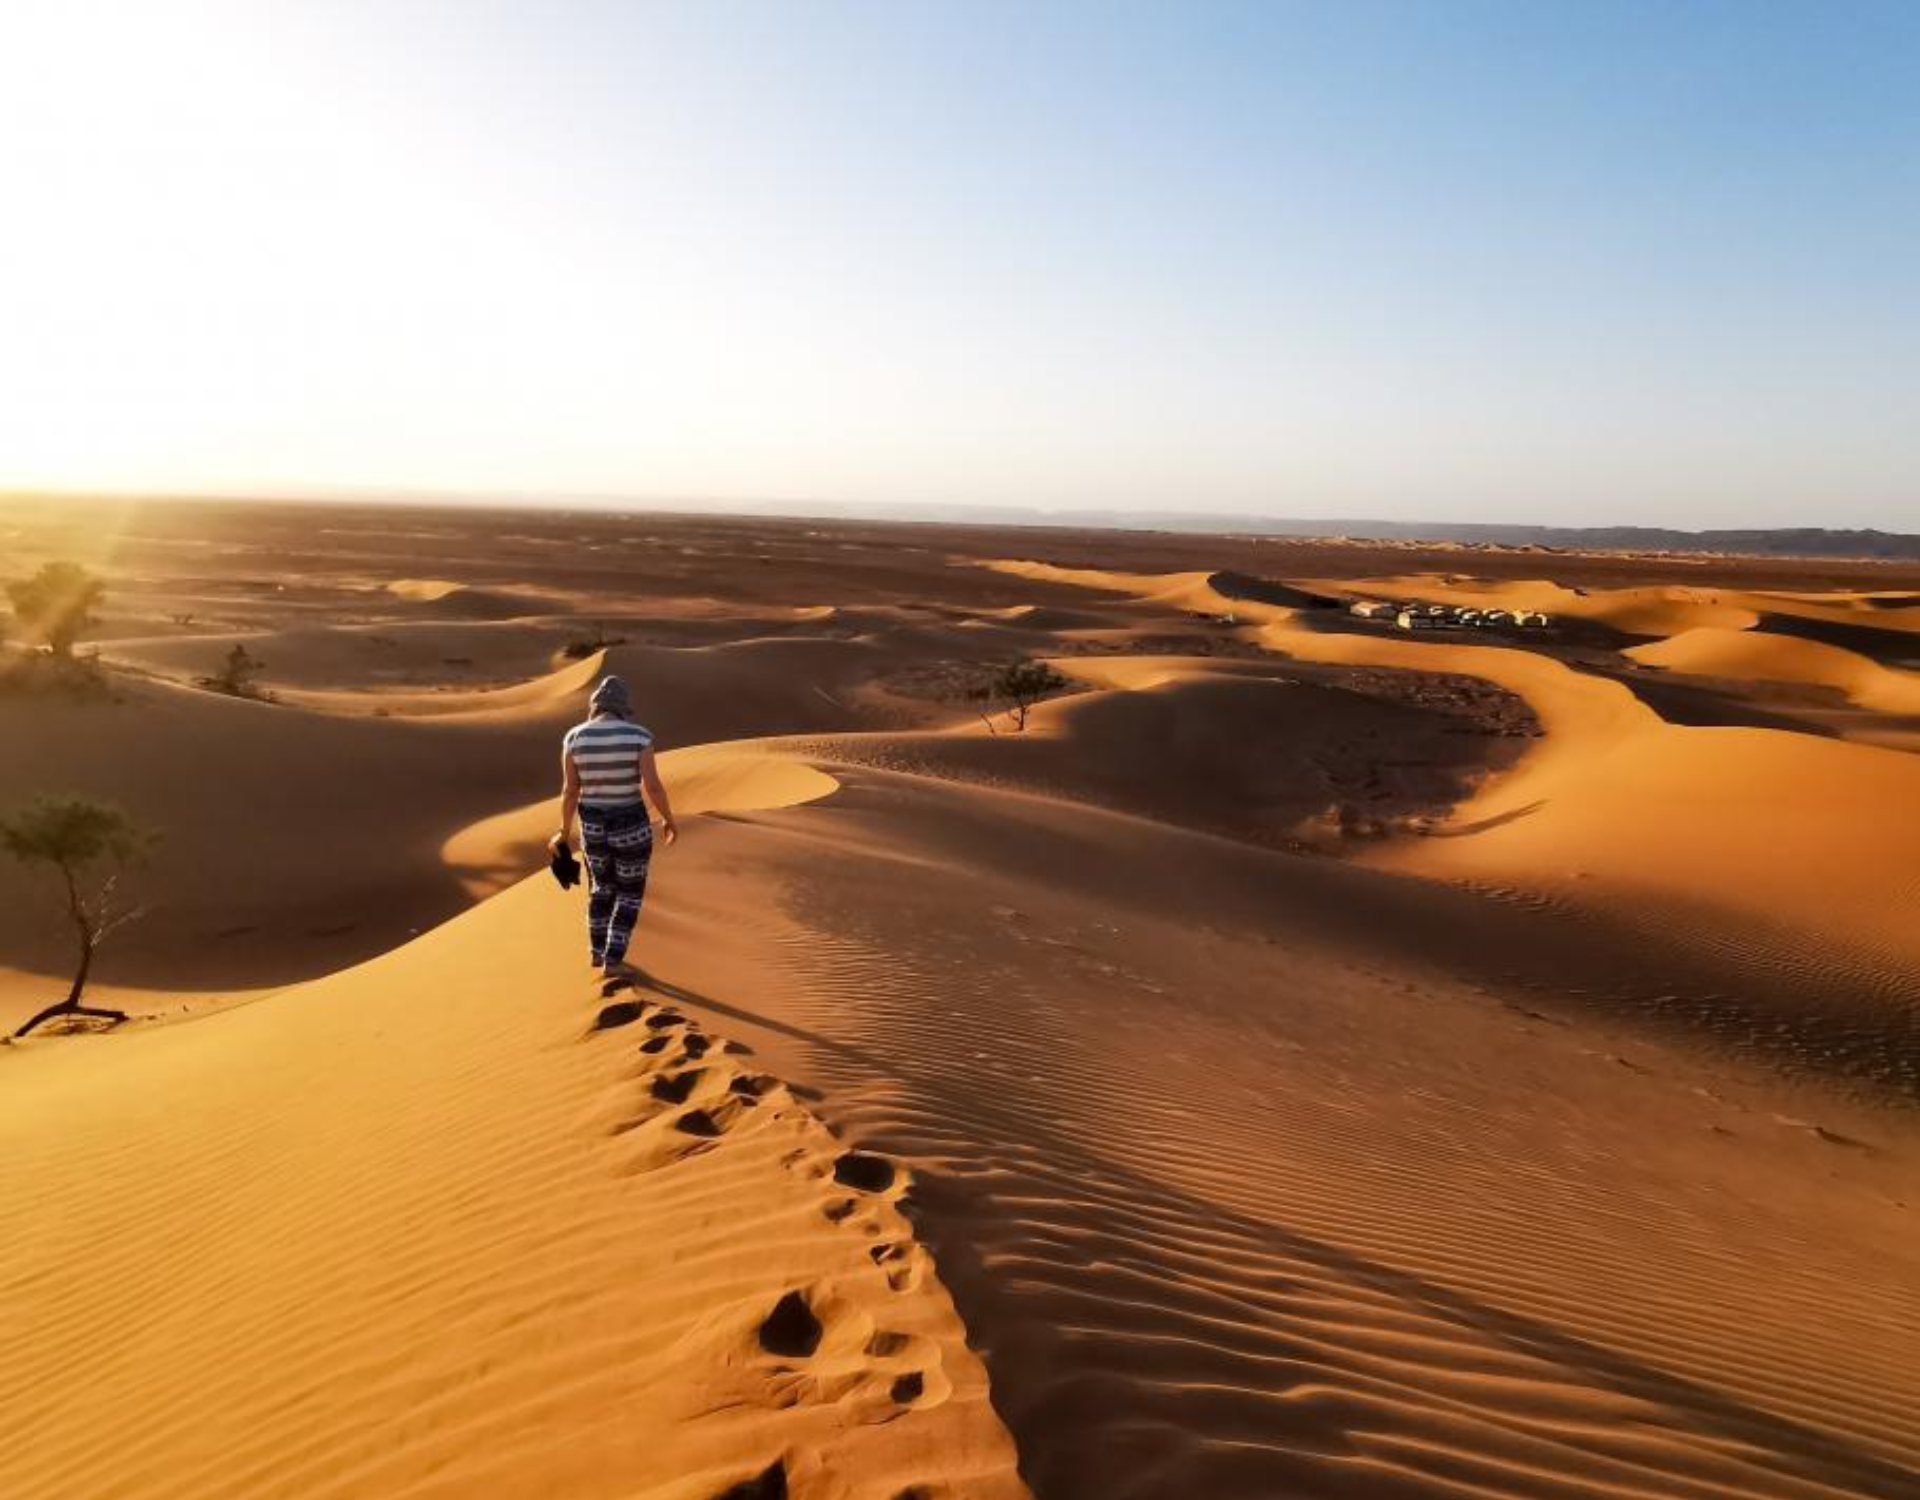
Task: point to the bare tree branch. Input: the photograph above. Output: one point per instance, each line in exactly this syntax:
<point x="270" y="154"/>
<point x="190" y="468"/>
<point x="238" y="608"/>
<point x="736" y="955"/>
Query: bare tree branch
<point x="118" y="920"/>
<point x="74" y="835"/>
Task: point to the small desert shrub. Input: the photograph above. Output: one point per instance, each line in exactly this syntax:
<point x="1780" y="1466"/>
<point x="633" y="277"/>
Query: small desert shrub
<point x="236" y="675"/>
<point x="57" y="604"/>
<point x="42" y="674"/>
<point x="1019" y="686"/>
<point x="585" y="646"/>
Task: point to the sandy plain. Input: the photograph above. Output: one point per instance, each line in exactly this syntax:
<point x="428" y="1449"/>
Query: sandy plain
<point x="1308" y="1060"/>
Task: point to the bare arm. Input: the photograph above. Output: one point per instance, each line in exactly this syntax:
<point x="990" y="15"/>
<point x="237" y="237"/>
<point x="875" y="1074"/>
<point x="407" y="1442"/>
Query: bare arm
<point x="569" y="795"/>
<point x="657" y="793"/>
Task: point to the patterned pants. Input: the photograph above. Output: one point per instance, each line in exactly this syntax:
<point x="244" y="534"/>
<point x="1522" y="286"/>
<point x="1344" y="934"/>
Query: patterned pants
<point x="618" y="848"/>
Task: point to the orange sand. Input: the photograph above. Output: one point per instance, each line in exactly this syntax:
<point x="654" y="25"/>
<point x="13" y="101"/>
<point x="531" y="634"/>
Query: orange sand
<point x="1307" y="1060"/>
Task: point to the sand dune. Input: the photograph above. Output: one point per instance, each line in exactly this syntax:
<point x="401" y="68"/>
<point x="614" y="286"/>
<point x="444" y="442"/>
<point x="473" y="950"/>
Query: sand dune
<point x="1655" y="611"/>
<point x="1240" y="748"/>
<point x="1305" y="1061"/>
<point x="1664" y="610"/>
<point x="1879" y="609"/>
<point x="1235" y="1204"/>
<point x="1174" y="590"/>
<point x="498" y="851"/>
<point x="293" y="842"/>
<point x="423" y="590"/>
<point x="1775" y="658"/>
<point x="383" y="654"/>
<point x="350" y="809"/>
<point x="557" y="690"/>
<point x="481" y="1248"/>
<point x="705" y="692"/>
<point x="448" y="600"/>
<point x="1664" y="823"/>
<point x="1661" y="824"/>
<point x="1050" y="618"/>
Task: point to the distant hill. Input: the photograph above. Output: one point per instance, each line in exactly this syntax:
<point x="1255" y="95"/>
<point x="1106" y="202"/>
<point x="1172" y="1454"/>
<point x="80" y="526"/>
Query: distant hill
<point x="1803" y="541"/>
<point x="1784" y="541"/>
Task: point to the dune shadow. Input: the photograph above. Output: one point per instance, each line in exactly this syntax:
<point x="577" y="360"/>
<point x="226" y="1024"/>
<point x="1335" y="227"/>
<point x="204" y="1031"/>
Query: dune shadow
<point x="1696" y="705"/>
<point x="1033" y="1161"/>
<point x="1484" y="825"/>
<point x="1891" y="648"/>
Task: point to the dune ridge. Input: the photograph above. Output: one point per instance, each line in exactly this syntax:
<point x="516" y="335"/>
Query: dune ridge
<point x="423" y="590"/>
<point x="1649" y="610"/>
<point x="368" y="787"/>
<point x="489" y="1234"/>
<point x="732" y="777"/>
<point x="1708" y="652"/>
<point x="1306" y="1060"/>
<point x="1658" y="823"/>
<point x="1238" y="1210"/>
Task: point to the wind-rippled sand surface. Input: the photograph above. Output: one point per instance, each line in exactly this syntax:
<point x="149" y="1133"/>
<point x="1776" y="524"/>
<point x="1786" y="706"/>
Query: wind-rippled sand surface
<point x="1307" y="1060"/>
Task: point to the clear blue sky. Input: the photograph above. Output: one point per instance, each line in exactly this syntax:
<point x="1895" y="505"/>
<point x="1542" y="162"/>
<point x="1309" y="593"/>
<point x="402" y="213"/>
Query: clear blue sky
<point x="1503" y="261"/>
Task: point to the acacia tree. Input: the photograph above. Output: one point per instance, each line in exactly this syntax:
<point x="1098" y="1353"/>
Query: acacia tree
<point x="1020" y="685"/>
<point x="58" y="603"/>
<point x="90" y="845"/>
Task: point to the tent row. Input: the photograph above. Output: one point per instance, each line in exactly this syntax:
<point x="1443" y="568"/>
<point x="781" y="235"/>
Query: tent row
<point x="1446" y="616"/>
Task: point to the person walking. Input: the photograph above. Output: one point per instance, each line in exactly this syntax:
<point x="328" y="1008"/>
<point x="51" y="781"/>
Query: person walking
<point x="607" y="779"/>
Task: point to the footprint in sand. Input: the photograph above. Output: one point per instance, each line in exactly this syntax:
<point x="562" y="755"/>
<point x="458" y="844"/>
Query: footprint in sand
<point x="861" y="1171"/>
<point x="899" y="1372"/>
<point x="701" y="1102"/>
<point x="791" y="1330"/>
<point x="769" y="1484"/>
<point x="675" y="1135"/>
<point x="711" y="1122"/>
<point x="620" y="1013"/>
<point x="907" y="1367"/>
<point x="865" y="1172"/>
<point x="908" y="1388"/>
<point x="677" y="1088"/>
<point x="904" y="1263"/>
<point x="886" y="1374"/>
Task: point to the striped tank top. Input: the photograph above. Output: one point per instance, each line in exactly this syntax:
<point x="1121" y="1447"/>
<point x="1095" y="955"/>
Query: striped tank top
<point x="607" y="752"/>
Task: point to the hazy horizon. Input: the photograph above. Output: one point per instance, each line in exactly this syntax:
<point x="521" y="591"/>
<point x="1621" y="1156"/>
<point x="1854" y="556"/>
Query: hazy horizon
<point x="957" y="512"/>
<point x="1635" y="265"/>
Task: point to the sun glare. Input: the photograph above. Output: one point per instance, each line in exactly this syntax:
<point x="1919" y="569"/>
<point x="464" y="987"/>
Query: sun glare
<point x="1112" y="261"/>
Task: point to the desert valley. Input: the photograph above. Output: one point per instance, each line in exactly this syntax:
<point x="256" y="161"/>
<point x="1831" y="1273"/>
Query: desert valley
<point x="1295" y="1054"/>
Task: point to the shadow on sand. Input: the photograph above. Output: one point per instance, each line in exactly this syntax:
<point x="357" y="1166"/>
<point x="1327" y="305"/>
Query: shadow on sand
<point x="1062" y="1459"/>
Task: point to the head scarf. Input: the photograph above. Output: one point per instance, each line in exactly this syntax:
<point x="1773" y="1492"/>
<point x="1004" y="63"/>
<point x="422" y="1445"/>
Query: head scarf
<point x="611" y="697"/>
